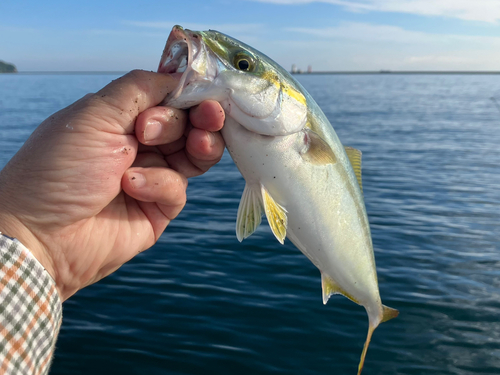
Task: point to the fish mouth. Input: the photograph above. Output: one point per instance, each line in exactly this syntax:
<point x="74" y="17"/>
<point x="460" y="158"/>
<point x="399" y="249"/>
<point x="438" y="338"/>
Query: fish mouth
<point x="178" y="56"/>
<point x="177" y="53"/>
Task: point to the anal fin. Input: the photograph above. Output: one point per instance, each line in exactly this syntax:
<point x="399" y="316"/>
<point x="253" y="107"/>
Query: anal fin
<point x="249" y="213"/>
<point x="276" y="215"/>
<point x="330" y="287"/>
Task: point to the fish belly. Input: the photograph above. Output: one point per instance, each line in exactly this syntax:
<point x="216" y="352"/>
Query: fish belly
<point x="324" y="221"/>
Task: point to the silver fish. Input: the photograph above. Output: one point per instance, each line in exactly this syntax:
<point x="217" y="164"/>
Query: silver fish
<point x="296" y="169"/>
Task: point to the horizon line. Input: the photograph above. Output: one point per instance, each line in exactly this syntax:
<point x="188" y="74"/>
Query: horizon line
<point x="325" y="72"/>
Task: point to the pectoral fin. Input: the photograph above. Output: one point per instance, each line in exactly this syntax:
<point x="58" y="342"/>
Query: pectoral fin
<point x="249" y="213"/>
<point x="276" y="216"/>
<point x="330" y="287"/>
<point x="354" y="156"/>
<point x="317" y="151"/>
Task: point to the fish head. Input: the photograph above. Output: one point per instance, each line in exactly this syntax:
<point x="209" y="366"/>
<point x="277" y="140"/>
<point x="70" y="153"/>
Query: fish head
<point x="253" y="89"/>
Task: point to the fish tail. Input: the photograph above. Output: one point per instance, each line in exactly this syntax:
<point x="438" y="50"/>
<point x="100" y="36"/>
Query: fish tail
<point x="365" y="348"/>
<point x="387" y="314"/>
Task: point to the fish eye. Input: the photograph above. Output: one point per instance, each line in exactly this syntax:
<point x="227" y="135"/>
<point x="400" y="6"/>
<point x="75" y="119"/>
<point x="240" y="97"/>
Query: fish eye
<point x="244" y="62"/>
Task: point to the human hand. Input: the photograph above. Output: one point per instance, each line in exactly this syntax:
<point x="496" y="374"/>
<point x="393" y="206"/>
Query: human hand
<point x="99" y="181"/>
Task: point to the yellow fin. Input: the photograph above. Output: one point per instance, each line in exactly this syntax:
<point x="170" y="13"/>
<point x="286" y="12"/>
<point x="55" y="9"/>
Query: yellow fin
<point x="387" y="314"/>
<point x="355" y="159"/>
<point x="365" y="348"/>
<point x="330" y="287"/>
<point x="249" y="213"/>
<point x="276" y="216"/>
<point x="318" y="151"/>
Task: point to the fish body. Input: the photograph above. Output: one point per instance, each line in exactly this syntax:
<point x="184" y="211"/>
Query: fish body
<point x="297" y="171"/>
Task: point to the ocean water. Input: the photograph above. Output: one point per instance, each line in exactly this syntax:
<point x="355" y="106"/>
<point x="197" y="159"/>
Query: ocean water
<point x="199" y="302"/>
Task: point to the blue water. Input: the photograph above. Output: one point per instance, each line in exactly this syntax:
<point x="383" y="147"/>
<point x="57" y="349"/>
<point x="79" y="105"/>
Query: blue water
<point x="199" y="302"/>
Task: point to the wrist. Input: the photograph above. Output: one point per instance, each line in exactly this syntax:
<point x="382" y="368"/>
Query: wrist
<point x="12" y="227"/>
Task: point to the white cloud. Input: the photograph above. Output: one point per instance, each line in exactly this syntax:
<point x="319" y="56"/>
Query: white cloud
<point x="364" y="32"/>
<point x="471" y="10"/>
<point x="371" y="33"/>
<point x="361" y="46"/>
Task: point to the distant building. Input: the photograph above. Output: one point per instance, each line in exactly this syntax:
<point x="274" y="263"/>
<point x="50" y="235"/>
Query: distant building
<point x="294" y="68"/>
<point x="309" y="69"/>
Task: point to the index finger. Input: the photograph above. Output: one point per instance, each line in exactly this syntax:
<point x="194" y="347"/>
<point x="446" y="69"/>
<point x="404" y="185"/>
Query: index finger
<point x="131" y="94"/>
<point x="208" y="115"/>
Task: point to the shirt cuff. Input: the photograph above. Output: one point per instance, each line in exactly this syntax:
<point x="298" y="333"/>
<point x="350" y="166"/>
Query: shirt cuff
<point x="30" y="311"/>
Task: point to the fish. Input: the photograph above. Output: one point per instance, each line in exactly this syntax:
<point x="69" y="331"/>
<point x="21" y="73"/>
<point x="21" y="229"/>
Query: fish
<point x="297" y="172"/>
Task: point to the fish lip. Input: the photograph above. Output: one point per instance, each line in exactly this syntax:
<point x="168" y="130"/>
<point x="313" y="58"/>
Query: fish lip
<point x="179" y="47"/>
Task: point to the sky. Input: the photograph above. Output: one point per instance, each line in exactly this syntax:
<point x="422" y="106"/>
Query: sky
<point x="339" y="35"/>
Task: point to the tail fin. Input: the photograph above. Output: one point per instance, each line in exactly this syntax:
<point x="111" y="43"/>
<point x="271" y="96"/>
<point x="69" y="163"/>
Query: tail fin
<point x="387" y="314"/>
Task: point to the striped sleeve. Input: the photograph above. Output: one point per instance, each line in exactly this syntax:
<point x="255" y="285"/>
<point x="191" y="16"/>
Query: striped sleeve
<point x="30" y="311"/>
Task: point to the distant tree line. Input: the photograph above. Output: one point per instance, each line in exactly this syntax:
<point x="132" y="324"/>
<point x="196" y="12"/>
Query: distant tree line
<point x="7" y="68"/>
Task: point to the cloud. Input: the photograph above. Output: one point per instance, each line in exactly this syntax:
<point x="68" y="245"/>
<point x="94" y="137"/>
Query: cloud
<point x="470" y="10"/>
<point x="370" y="33"/>
<point x="365" y="32"/>
<point x="363" y="46"/>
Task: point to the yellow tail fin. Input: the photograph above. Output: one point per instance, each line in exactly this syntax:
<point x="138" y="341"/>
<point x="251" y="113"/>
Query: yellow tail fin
<point x="387" y="314"/>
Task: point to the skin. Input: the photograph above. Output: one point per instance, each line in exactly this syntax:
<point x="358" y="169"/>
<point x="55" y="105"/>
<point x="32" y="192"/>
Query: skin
<point x="99" y="181"/>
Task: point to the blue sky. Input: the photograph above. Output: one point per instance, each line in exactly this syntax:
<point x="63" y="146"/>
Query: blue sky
<point x="329" y="34"/>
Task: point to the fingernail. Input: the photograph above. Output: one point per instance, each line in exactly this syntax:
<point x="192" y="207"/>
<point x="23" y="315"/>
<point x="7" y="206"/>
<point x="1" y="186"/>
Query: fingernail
<point x="152" y="130"/>
<point x="212" y="138"/>
<point x="137" y="180"/>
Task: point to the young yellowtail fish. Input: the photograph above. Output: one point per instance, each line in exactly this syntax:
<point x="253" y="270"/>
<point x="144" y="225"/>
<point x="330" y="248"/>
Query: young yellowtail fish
<point x="296" y="170"/>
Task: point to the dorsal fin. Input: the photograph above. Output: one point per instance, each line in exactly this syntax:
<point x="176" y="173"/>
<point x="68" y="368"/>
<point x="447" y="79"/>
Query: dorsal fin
<point x="276" y="216"/>
<point x="354" y="156"/>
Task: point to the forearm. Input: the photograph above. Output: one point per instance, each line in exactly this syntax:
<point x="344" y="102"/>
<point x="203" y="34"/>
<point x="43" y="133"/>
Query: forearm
<point x="30" y="311"/>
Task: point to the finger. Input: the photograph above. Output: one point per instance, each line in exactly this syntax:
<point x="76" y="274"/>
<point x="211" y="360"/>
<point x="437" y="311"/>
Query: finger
<point x="203" y="150"/>
<point x="204" y="147"/>
<point x="150" y="159"/>
<point x="163" y="186"/>
<point x="160" y="125"/>
<point x="208" y="115"/>
<point x="127" y="96"/>
<point x="172" y="148"/>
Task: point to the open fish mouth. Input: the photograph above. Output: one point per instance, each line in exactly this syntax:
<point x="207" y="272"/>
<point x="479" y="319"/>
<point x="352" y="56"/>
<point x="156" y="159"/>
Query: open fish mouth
<point x="187" y="58"/>
<point x="178" y="52"/>
<point x="178" y="55"/>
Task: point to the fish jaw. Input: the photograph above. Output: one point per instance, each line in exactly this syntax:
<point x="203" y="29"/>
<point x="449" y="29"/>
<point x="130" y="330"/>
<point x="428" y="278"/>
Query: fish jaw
<point x="186" y="55"/>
